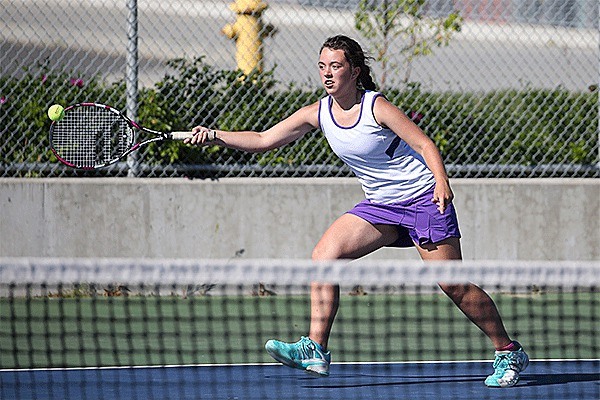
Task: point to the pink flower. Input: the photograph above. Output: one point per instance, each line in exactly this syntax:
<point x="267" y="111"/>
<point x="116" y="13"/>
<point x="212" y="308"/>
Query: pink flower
<point x="415" y="116"/>
<point x="76" y="82"/>
<point x="3" y="100"/>
<point x="44" y="78"/>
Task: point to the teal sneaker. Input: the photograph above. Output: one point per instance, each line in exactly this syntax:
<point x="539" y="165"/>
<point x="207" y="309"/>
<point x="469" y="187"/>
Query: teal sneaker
<point x="305" y="354"/>
<point x="507" y="367"/>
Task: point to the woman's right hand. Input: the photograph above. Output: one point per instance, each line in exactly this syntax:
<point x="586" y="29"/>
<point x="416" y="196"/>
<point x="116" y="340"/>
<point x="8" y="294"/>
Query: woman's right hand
<point x="201" y="136"/>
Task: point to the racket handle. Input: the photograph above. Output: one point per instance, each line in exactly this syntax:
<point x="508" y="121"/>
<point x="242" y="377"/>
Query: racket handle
<point x="181" y="135"/>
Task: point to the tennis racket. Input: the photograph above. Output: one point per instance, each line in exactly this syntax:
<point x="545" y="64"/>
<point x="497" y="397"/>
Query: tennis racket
<point x="92" y="136"/>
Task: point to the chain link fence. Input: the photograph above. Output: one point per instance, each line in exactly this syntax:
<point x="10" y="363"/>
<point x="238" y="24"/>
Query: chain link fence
<point x="506" y="88"/>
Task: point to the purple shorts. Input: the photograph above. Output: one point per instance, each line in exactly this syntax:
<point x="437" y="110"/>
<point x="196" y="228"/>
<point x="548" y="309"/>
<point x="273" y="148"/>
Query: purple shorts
<point x="418" y="220"/>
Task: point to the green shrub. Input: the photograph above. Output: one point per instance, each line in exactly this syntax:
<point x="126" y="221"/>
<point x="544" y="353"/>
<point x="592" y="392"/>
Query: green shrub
<point x="528" y="127"/>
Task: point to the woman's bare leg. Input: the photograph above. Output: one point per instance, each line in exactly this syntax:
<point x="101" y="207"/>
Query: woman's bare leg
<point x="473" y="301"/>
<point x="349" y="237"/>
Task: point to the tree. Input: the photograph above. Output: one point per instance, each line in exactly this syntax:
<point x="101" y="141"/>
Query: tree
<point x="383" y="21"/>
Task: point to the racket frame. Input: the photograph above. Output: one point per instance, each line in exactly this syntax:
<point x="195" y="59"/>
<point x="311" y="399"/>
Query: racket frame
<point x="158" y="136"/>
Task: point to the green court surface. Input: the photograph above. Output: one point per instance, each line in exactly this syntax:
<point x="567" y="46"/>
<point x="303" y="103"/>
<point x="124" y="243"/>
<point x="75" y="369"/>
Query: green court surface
<point x="46" y="332"/>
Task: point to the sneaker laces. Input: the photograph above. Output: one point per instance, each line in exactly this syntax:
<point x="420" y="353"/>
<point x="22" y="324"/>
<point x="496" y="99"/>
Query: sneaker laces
<point x="499" y="358"/>
<point x="506" y="360"/>
<point x="307" y="348"/>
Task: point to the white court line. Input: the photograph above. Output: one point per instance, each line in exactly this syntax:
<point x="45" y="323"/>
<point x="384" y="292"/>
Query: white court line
<point x="278" y="364"/>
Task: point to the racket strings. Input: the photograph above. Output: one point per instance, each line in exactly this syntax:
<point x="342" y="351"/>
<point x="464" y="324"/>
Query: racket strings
<point x="91" y="136"/>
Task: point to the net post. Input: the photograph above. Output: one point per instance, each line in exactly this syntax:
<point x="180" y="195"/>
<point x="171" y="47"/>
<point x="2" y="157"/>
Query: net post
<point x="131" y="79"/>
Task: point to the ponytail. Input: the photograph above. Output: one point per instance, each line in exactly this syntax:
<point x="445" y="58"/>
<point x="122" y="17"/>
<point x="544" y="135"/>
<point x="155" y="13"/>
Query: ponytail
<point x="365" y="79"/>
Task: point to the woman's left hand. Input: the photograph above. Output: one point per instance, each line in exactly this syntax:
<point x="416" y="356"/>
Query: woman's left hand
<point x="442" y="195"/>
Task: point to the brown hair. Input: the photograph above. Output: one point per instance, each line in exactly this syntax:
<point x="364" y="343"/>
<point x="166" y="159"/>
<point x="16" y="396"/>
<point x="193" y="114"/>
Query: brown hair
<point x="355" y="56"/>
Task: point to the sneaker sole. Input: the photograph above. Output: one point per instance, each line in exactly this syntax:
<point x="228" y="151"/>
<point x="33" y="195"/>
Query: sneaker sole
<point x="291" y="365"/>
<point x="499" y="386"/>
<point x="316" y="374"/>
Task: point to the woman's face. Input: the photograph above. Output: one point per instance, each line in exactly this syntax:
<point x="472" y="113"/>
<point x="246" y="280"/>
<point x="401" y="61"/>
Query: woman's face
<point x="337" y="76"/>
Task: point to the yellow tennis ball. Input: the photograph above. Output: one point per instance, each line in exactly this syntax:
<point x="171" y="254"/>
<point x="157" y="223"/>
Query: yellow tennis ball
<point x="56" y="112"/>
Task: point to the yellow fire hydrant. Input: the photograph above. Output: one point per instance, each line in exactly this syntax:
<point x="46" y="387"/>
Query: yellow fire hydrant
<point x="248" y="31"/>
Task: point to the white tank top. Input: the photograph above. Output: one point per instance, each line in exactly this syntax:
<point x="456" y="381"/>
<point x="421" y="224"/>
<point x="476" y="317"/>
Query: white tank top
<point x="389" y="170"/>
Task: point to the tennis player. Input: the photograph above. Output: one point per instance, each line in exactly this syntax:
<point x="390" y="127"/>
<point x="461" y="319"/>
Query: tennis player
<point x="408" y="201"/>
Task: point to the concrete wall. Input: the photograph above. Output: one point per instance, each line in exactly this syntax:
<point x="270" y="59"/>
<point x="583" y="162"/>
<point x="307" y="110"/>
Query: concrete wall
<point x="524" y="219"/>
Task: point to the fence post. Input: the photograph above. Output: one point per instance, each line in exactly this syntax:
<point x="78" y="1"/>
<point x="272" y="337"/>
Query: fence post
<point x="131" y="77"/>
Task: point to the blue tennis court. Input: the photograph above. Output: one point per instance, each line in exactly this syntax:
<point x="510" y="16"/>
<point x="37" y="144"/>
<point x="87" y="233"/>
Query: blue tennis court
<point x="449" y="380"/>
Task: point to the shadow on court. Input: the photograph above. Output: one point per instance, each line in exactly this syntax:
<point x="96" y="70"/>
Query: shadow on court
<point x="447" y="380"/>
<point x="557" y="379"/>
<point x="526" y="380"/>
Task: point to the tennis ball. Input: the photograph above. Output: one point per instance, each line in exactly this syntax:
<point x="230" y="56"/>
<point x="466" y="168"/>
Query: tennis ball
<point x="56" y="112"/>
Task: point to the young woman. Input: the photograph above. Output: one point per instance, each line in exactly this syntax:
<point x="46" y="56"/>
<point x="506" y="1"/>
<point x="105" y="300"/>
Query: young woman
<point x="408" y="201"/>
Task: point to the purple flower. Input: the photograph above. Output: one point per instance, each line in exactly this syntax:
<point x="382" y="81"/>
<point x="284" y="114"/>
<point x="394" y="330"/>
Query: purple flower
<point x="44" y="78"/>
<point x="3" y="100"/>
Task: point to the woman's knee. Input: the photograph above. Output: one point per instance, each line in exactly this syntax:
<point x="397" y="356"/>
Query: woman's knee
<point x="325" y="251"/>
<point x="456" y="292"/>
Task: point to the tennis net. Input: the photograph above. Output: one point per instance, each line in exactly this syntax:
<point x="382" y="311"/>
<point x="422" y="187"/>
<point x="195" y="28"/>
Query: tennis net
<point x="166" y="328"/>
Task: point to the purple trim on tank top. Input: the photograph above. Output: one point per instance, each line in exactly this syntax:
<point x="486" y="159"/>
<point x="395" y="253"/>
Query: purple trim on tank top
<point x="362" y="103"/>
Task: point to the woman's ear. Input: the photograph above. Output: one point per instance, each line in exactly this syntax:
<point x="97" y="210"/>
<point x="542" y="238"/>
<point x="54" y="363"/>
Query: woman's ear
<point x="355" y="72"/>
